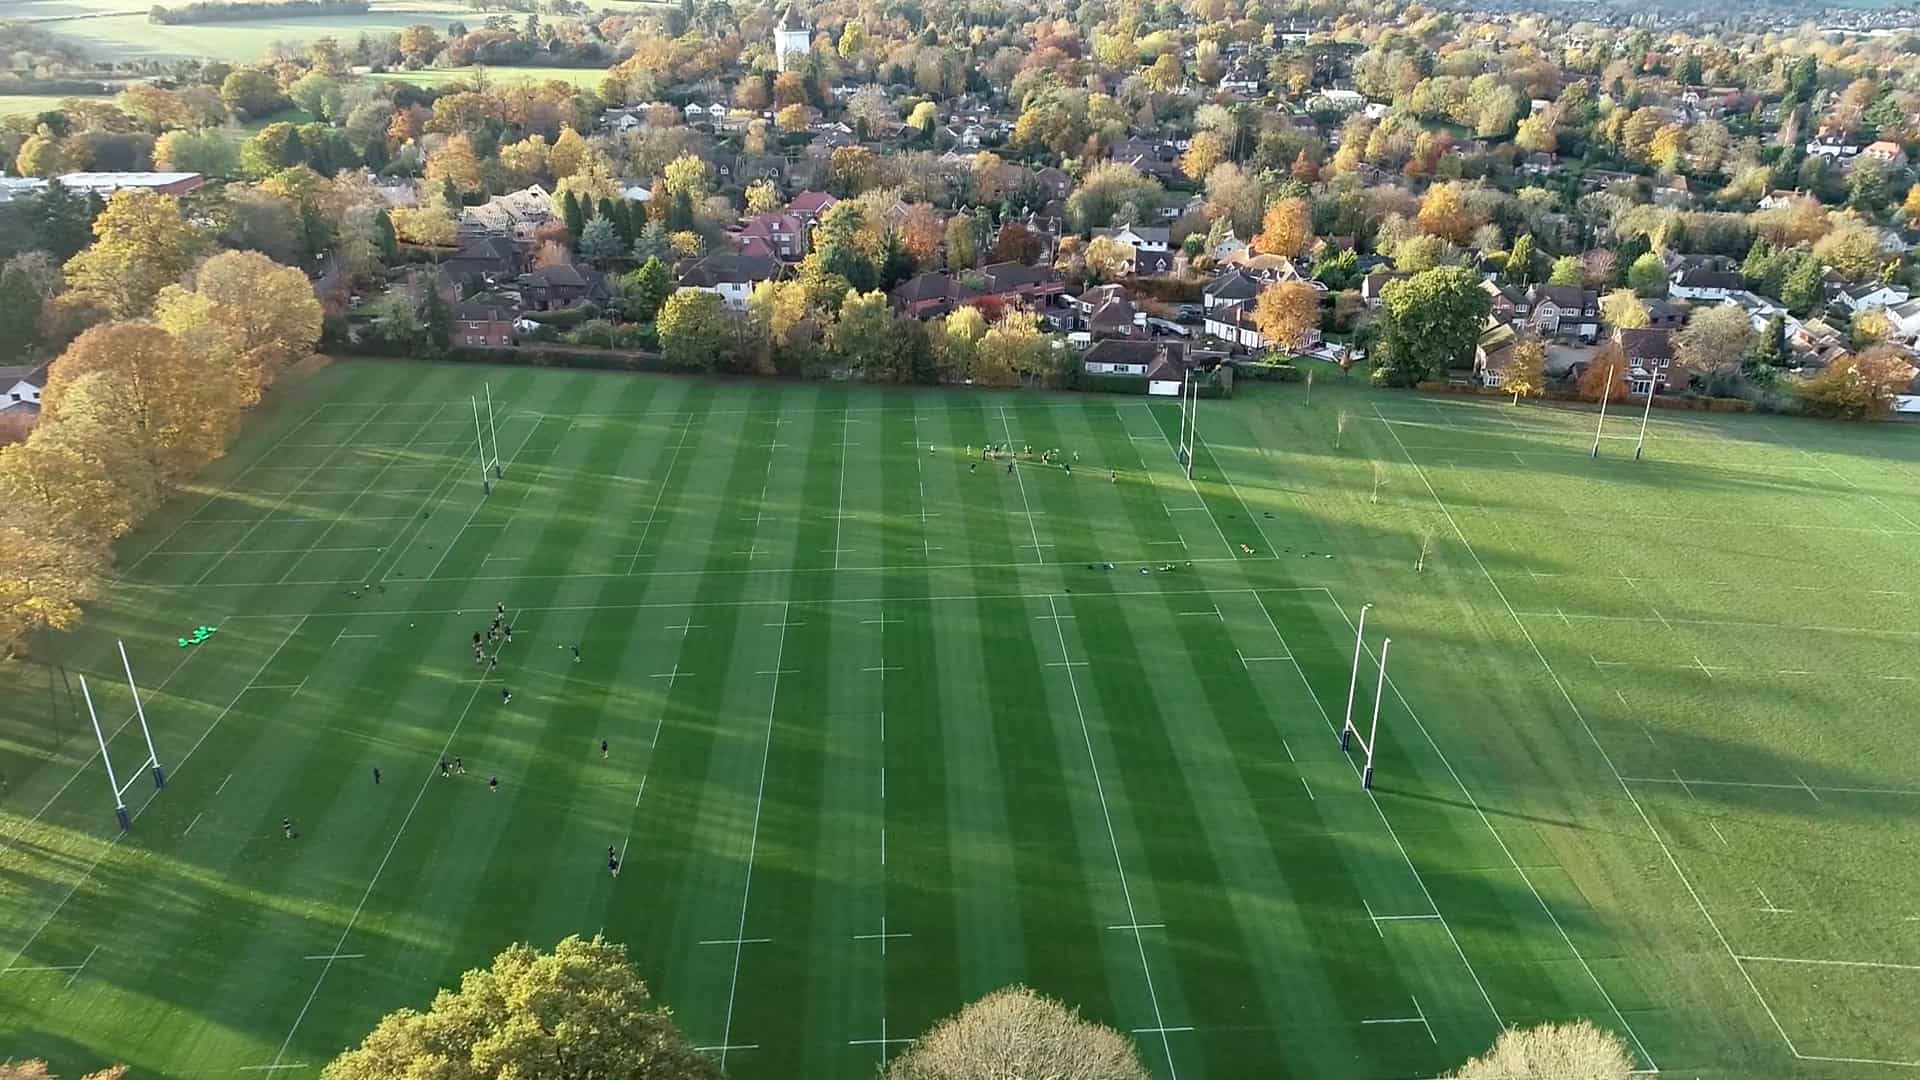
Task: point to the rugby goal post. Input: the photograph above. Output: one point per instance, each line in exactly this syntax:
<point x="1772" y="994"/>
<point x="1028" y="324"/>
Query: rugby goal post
<point x="152" y="760"/>
<point x="488" y="441"/>
<point x="1348" y="733"/>
<point x="1189" y="419"/>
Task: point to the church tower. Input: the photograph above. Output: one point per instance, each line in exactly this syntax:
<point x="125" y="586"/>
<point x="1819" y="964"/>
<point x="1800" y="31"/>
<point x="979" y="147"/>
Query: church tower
<point x="792" y="40"/>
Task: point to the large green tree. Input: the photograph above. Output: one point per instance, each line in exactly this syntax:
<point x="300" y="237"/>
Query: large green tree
<point x="580" y="1012"/>
<point x="695" y="330"/>
<point x="1016" y="1033"/>
<point x="1429" y="322"/>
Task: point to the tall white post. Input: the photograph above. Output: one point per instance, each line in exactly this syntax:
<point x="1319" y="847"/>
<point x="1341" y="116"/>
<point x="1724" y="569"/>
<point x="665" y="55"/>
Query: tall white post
<point x="119" y="806"/>
<point x="1606" y="392"/>
<point x="153" y="756"/>
<point x="493" y="436"/>
<point x="1193" y="425"/>
<point x="1180" y="447"/>
<point x="1373" y="733"/>
<point x="1353" y="680"/>
<point x="1646" y="414"/>
<point x="480" y="441"/>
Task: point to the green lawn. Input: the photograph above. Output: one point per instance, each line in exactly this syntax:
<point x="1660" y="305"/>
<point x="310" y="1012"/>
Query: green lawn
<point x="130" y="36"/>
<point x="497" y="75"/>
<point x="11" y="104"/>
<point x="1640" y="755"/>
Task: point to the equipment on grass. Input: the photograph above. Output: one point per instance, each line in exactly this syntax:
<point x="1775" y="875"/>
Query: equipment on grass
<point x="489" y="443"/>
<point x="200" y="634"/>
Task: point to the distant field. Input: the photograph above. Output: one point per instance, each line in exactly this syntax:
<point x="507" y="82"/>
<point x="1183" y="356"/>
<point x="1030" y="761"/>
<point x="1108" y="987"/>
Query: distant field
<point x="118" y="29"/>
<point x="34" y="103"/>
<point x="434" y="76"/>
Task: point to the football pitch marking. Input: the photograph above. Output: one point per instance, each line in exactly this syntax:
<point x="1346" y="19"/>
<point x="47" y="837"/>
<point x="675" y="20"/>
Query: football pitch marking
<point x="753" y="839"/>
<point x="1113" y="839"/>
<point x="1625" y="787"/>
<point x="380" y="869"/>
<point x="1039" y="553"/>
<point x="107" y="848"/>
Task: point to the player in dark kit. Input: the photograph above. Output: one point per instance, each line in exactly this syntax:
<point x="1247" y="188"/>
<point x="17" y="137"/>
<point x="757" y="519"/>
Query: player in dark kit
<point x="376" y="776"/>
<point x="493" y="783"/>
<point x="613" y="861"/>
<point x="603" y="748"/>
<point x="286" y="826"/>
<point x="506" y="695"/>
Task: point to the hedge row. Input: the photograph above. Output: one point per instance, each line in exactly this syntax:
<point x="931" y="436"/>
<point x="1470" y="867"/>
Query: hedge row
<point x="1693" y="404"/>
<point x="560" y="356"/>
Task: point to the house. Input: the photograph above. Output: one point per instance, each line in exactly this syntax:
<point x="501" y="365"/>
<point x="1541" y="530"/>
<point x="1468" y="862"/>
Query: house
<point x="1337" y="101"/>
<point x="731" y="276"/>
<point x="1138" y="237"/>
<point x="481" y="324"/>
<point x="1701" y="284"/>
<point x="1372" y="285"/>
<point x="485" y="260"/>
<point x="785" y="234"/>
<point x="811" y="206"/>
<point x="1886" y="153"/>
<point x="930" y="295"/>
<point x="1493" y="356"/>
<point x="1906" y="320"/>
<point x="1233" y="323"/>
<point x="515" y="216"/>
<point x="20" y="388"/>
<point x="557" y="287"/>
<point x="1107" y="311"/>
<point x="1056" y="183"/>
<point x="1018" y="283"/>
<point x="1119" y="356"/>
<point x="1564" y="310"/>
<point x="1231" y="287"/>
<point x="1871" y="296"/>
<point x="1508" y="304"/>
<point x="1832" y="147"/>
<point x="1672" y="192"/>
<point x="1777" y="199"/>
<point x="104" y="184"/>
<point x="1662" y="315"/>
<point x="1650" y="367"/>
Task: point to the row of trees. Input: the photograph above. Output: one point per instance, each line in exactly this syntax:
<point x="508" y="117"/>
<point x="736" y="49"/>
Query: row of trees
<point x="138" y="404"/>
<point x="582" y="1011"/>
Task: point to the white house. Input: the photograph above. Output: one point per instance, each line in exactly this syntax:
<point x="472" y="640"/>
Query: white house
<point x="731" y="276"/>
<point x="1871" y="296"/>
<point x="21" y="387"/>
<point x="1341" y="100"/>
<point x="1906" y="320"/>
<point x="1138" y="237"/>
<point x="1697" y="283"/>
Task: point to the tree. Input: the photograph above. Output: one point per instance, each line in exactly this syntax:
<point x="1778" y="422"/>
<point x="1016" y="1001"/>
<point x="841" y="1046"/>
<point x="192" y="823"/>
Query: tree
<point x="1288" y="314"/>
<point x="792" y="118"/>
<point x="569" y="154"/>
<point x="1287" y="228"/>
<point x="246" y="311"/>
<point x="1520" y="260"/>
<point x="1802" y="288"/>
<point x="1647" y="276"/>
<point x="252" y="91"/>
<point x="44" y="578"/>
<point x="763" y="198"/>
<point x="426" y="226"/>
<point x="1715" y="340"/>
<point x="1526" y="374"/>
<point x="961" y="251"/>
<point x="1206" y="150"/>
<point x="77" y="474"/>
<point x="1566" y="270"/>
<point x="1577" y="1050"/>
<point x="1624" y="311"/>
<point x="956" y="340"/>
<point x="600" y="241"/>
<point x="141" y="244"/>
<point x="208" y="152"/>
<point x="20" y="304"/>
<point x="457" y="163"/>
<point x="43" y="154"/>
<point x="1108" y="259"/>
<point x="780" y="309"/>
<point x="695" y="329"/>
<point x="923" y="118"/>
<point x="647" y="289"/>
<point x="1014" y="1032"/>
<point x="1859" y="386"/>
<point x="174" y="406"/>
<point x="861" y="336"/>
<point x="1605" y="374"/>
<point x="579" y="1012"/>
<point x="1851" y="249"/>
<point x="1446" y="213"/>
<point x="1013" y="348"/>
<point x="1429" y="323"/>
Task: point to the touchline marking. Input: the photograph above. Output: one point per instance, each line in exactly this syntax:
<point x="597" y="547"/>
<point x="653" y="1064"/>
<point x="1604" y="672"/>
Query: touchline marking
<point x="1828" y="963"/>
<point x="840" y="502"/>
<point x="191" y="824"/>
<point x="380" y="869"/>
<point x="336" y="956"/>
<point x="1566" y="696"/>
<point x="82" y="967"/>
<point x="223" y="784"/>
<point x="753" y="841"/>
<point x="1113" y="839"/>
<point x="1809" y="790"/>
<point x="1697" y="782"/>
<point x="1309" y="787"/>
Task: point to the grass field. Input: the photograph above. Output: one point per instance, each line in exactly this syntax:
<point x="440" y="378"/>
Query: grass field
<point x="497" y="75"/>
<point x="886" y="734"/>
<point x="11" y="104"/>
<point x="115" y="29"/>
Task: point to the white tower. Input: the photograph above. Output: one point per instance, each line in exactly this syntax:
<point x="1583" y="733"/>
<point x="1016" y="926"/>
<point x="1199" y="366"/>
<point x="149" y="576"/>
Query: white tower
<point x="792" y="40"/>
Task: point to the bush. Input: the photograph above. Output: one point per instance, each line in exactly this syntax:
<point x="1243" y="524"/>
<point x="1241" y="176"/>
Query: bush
<point x="1111" y="384"/>
<point x="560" y="356"/>
<point x="1271" y="371"/>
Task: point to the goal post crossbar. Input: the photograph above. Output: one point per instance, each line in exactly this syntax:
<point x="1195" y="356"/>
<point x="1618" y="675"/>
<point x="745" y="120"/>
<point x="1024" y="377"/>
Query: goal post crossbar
<point x="486" y="439"/>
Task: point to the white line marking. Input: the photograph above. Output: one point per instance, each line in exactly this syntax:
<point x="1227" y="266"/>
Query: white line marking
<point x="81" y="968"/>
<point x="191" y="824"/>
<point x="1829" y="963"/>
<point x="753" y="841"/>
<point x="1113" y="839"/>
<point x="1038" y="548"/>
<point x="336" y="956"/>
